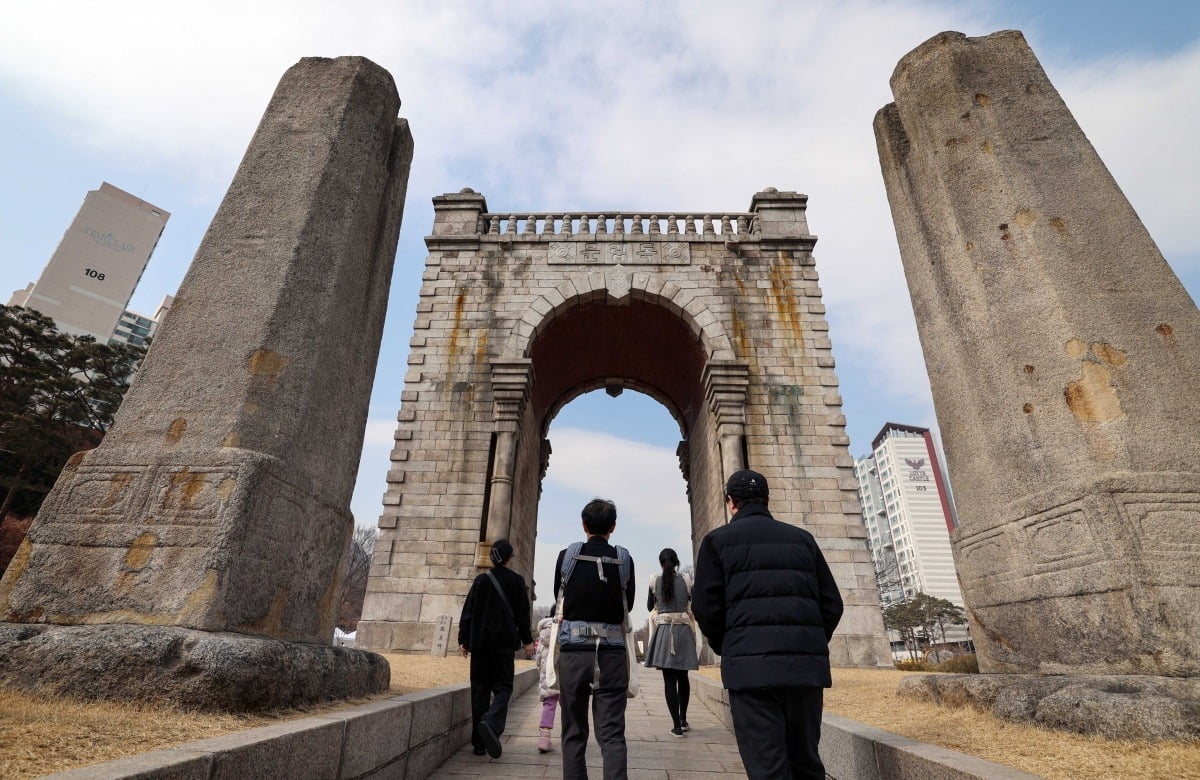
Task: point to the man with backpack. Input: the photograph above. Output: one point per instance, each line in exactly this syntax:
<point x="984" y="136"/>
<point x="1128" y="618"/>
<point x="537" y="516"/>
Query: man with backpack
<point x="494" y="624"/>
<point x="593" y="582"/>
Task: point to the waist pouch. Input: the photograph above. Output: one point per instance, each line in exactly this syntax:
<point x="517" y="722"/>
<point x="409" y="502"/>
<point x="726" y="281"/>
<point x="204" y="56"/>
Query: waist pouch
<point x="580" y="633"/>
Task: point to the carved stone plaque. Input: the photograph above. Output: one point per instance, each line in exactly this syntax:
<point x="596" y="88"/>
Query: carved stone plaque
<point x="619" y="253"/>
<point x="441" y="636"/>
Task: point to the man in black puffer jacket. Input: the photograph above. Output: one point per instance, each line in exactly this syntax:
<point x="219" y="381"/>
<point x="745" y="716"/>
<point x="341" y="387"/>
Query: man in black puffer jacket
<point x="768" y="604"/>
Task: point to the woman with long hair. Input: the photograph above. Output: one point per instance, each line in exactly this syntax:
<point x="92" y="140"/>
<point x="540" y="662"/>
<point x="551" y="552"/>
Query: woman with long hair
<point x="672" y="646"/>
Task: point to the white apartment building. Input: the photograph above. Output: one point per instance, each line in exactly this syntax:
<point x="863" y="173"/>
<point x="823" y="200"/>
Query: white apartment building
<point x="136" y="329"/>
<point x="909" y="515"/>
<point x="86" y="286"/>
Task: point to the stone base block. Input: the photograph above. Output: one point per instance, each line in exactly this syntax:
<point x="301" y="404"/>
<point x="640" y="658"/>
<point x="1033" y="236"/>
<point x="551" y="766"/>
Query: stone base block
<point x="1111" y="706"/>
<point x="193" y="669"/>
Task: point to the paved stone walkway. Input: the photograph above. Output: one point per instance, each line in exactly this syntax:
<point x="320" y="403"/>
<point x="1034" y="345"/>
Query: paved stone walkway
<point x="706" y="752"/>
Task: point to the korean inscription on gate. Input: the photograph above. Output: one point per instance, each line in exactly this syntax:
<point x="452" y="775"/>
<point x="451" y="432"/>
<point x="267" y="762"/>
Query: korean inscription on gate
<point x="619" y="253"/>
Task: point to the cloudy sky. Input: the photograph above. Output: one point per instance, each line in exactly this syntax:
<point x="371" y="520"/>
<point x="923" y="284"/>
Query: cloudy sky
<point x="638" y="106"/>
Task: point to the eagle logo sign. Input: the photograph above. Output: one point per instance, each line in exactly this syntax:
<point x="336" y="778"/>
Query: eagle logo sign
<point x="915" y="465"/>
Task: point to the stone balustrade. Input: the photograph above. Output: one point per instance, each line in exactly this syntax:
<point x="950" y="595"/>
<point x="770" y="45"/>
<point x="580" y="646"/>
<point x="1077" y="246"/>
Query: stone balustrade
<point x="556" y="226"/>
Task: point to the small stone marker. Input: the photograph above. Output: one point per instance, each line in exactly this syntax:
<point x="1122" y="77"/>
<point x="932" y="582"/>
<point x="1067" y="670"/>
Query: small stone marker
<point x="441" y="636"/>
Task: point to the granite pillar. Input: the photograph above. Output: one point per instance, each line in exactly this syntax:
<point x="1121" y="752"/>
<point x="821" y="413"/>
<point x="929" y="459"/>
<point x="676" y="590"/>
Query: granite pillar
<point x="218" y="503"/>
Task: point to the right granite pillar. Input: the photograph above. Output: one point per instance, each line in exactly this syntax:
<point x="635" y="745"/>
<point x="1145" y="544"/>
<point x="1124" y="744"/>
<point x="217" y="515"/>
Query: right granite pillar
<point x="1064" y="357"/>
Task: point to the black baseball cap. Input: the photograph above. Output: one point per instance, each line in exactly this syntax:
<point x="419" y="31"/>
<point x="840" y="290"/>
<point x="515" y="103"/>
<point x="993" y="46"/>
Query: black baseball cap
<point x="747" y="484"/>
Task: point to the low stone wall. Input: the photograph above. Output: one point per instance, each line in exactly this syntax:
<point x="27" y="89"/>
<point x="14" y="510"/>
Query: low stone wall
<point x="401" y="738"/>
<point x="853" y="751"/>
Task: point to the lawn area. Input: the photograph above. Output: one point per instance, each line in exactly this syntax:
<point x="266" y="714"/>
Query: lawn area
<point x="40" y="735"/>
<point x="869" y="696"/>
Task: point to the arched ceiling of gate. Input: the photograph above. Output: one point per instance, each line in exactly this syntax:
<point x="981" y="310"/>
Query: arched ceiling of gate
<point x="637" y="341"/>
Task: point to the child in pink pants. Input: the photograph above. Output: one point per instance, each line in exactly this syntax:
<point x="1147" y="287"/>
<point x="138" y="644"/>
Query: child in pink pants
<point x="548" y="698"/>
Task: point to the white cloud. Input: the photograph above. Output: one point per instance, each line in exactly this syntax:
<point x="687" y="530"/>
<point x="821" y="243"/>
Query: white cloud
<point x="644" y="481"/>
<point x="639" y="106"/>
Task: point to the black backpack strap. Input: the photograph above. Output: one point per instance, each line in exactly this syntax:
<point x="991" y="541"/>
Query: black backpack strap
<point x="504" y="600"/>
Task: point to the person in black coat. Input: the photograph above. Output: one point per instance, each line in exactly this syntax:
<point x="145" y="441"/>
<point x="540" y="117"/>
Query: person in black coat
<point x="490" y="630"/>
<point x="768" y="604"/>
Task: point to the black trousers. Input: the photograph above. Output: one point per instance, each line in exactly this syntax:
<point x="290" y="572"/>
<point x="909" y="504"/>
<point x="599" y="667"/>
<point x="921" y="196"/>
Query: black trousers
<point x="608" y="712"/>
<point x="777" y="732"/>
<point x="491" y="690"/>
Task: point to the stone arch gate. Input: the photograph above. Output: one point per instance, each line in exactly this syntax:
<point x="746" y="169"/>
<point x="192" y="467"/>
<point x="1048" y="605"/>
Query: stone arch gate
<point x="718" y="316"/>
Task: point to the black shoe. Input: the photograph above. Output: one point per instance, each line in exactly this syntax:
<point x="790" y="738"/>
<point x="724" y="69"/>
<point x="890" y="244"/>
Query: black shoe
<point x="490" y="741"/>
<point x="479" y="751"/>
<point x="685" y="726"/>
<point x="677" y="732"/>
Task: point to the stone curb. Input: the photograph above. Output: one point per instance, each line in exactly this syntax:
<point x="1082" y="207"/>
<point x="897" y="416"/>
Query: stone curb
<point x="401" y="738"/>
<point x="854" y="751"/>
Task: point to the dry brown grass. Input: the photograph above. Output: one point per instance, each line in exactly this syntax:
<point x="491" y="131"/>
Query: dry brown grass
<point x="869" y="696"/>
<point x="40" y="734"/>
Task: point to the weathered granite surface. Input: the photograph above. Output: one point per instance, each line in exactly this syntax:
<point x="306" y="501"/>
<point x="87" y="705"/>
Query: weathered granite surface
<point x="1063" y="355"/>
<point x="1128" y="706"/>
<point x="195" y="669"/>
<point x="219" y="500"/>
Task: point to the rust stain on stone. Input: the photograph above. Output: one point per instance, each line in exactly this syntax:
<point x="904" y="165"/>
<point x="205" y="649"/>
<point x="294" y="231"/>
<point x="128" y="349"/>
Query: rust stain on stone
<point x="1028" y="369"/>
<point x="739" y="325"/>
<point x="1167" y="332"/>
<point x="140" y="551"/>
<point x="198" y="600"/>
<point x="459" y="302"/>
<point x="116" y="486"/>
<point x="76" y="459"/>
<point x="481" y="349"/>
<point x="184" y="487"/>
<point x="1027" y="408"/>
<point x="1025" y="217"/>
<point x="175" y="430"/>
<point x="970" y="246"/>
<point x="951" y="142"/>
<point x="1004" y="234"/>
<point x="1075" y="348"/>
<point x="1109" y="354"/>
<point x="986" y="147"/>
<point x="784" y="298"/>
<point x="272" y="623"/>
<point x="268" y="364"/>
<point x="14" y="572"/>
<point x="1059" y="224"/>
<point x="982" y="100"/>
<point x="1092" y="398"/>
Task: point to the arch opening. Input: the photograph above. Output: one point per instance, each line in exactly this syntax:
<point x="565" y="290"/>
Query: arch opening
<point x="640" y="345"/>
<point x="623" y="449"/>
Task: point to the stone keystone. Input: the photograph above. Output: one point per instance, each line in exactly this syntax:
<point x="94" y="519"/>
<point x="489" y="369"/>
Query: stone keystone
<point x="219" y="500"/>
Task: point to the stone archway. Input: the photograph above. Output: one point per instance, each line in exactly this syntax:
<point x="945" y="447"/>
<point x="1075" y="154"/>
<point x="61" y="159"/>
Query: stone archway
<point x="718" y="316"/>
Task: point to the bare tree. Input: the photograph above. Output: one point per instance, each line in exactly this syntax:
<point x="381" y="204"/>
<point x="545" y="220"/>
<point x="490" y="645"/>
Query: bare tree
<point x="354" y="586"/>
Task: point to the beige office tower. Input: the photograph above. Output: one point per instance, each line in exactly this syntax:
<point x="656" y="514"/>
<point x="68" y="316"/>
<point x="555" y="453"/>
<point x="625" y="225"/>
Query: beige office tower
<point x="92" y="274"/>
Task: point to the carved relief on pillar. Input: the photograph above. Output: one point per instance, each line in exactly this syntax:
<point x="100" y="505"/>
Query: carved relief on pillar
<point x="684" y="453"/>
<point x="511" y="378"/>
<point x="543" y="463"/>
<point x="725" y="386"/>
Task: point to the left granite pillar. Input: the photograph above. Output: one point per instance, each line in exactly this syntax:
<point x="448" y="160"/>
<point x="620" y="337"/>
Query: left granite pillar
<point x="212" y="524"/>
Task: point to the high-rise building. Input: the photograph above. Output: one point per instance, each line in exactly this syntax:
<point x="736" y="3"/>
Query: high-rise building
<point x="137" y="329"/>
<point x="86" y="286"/>
<point x="909" y="515"/>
